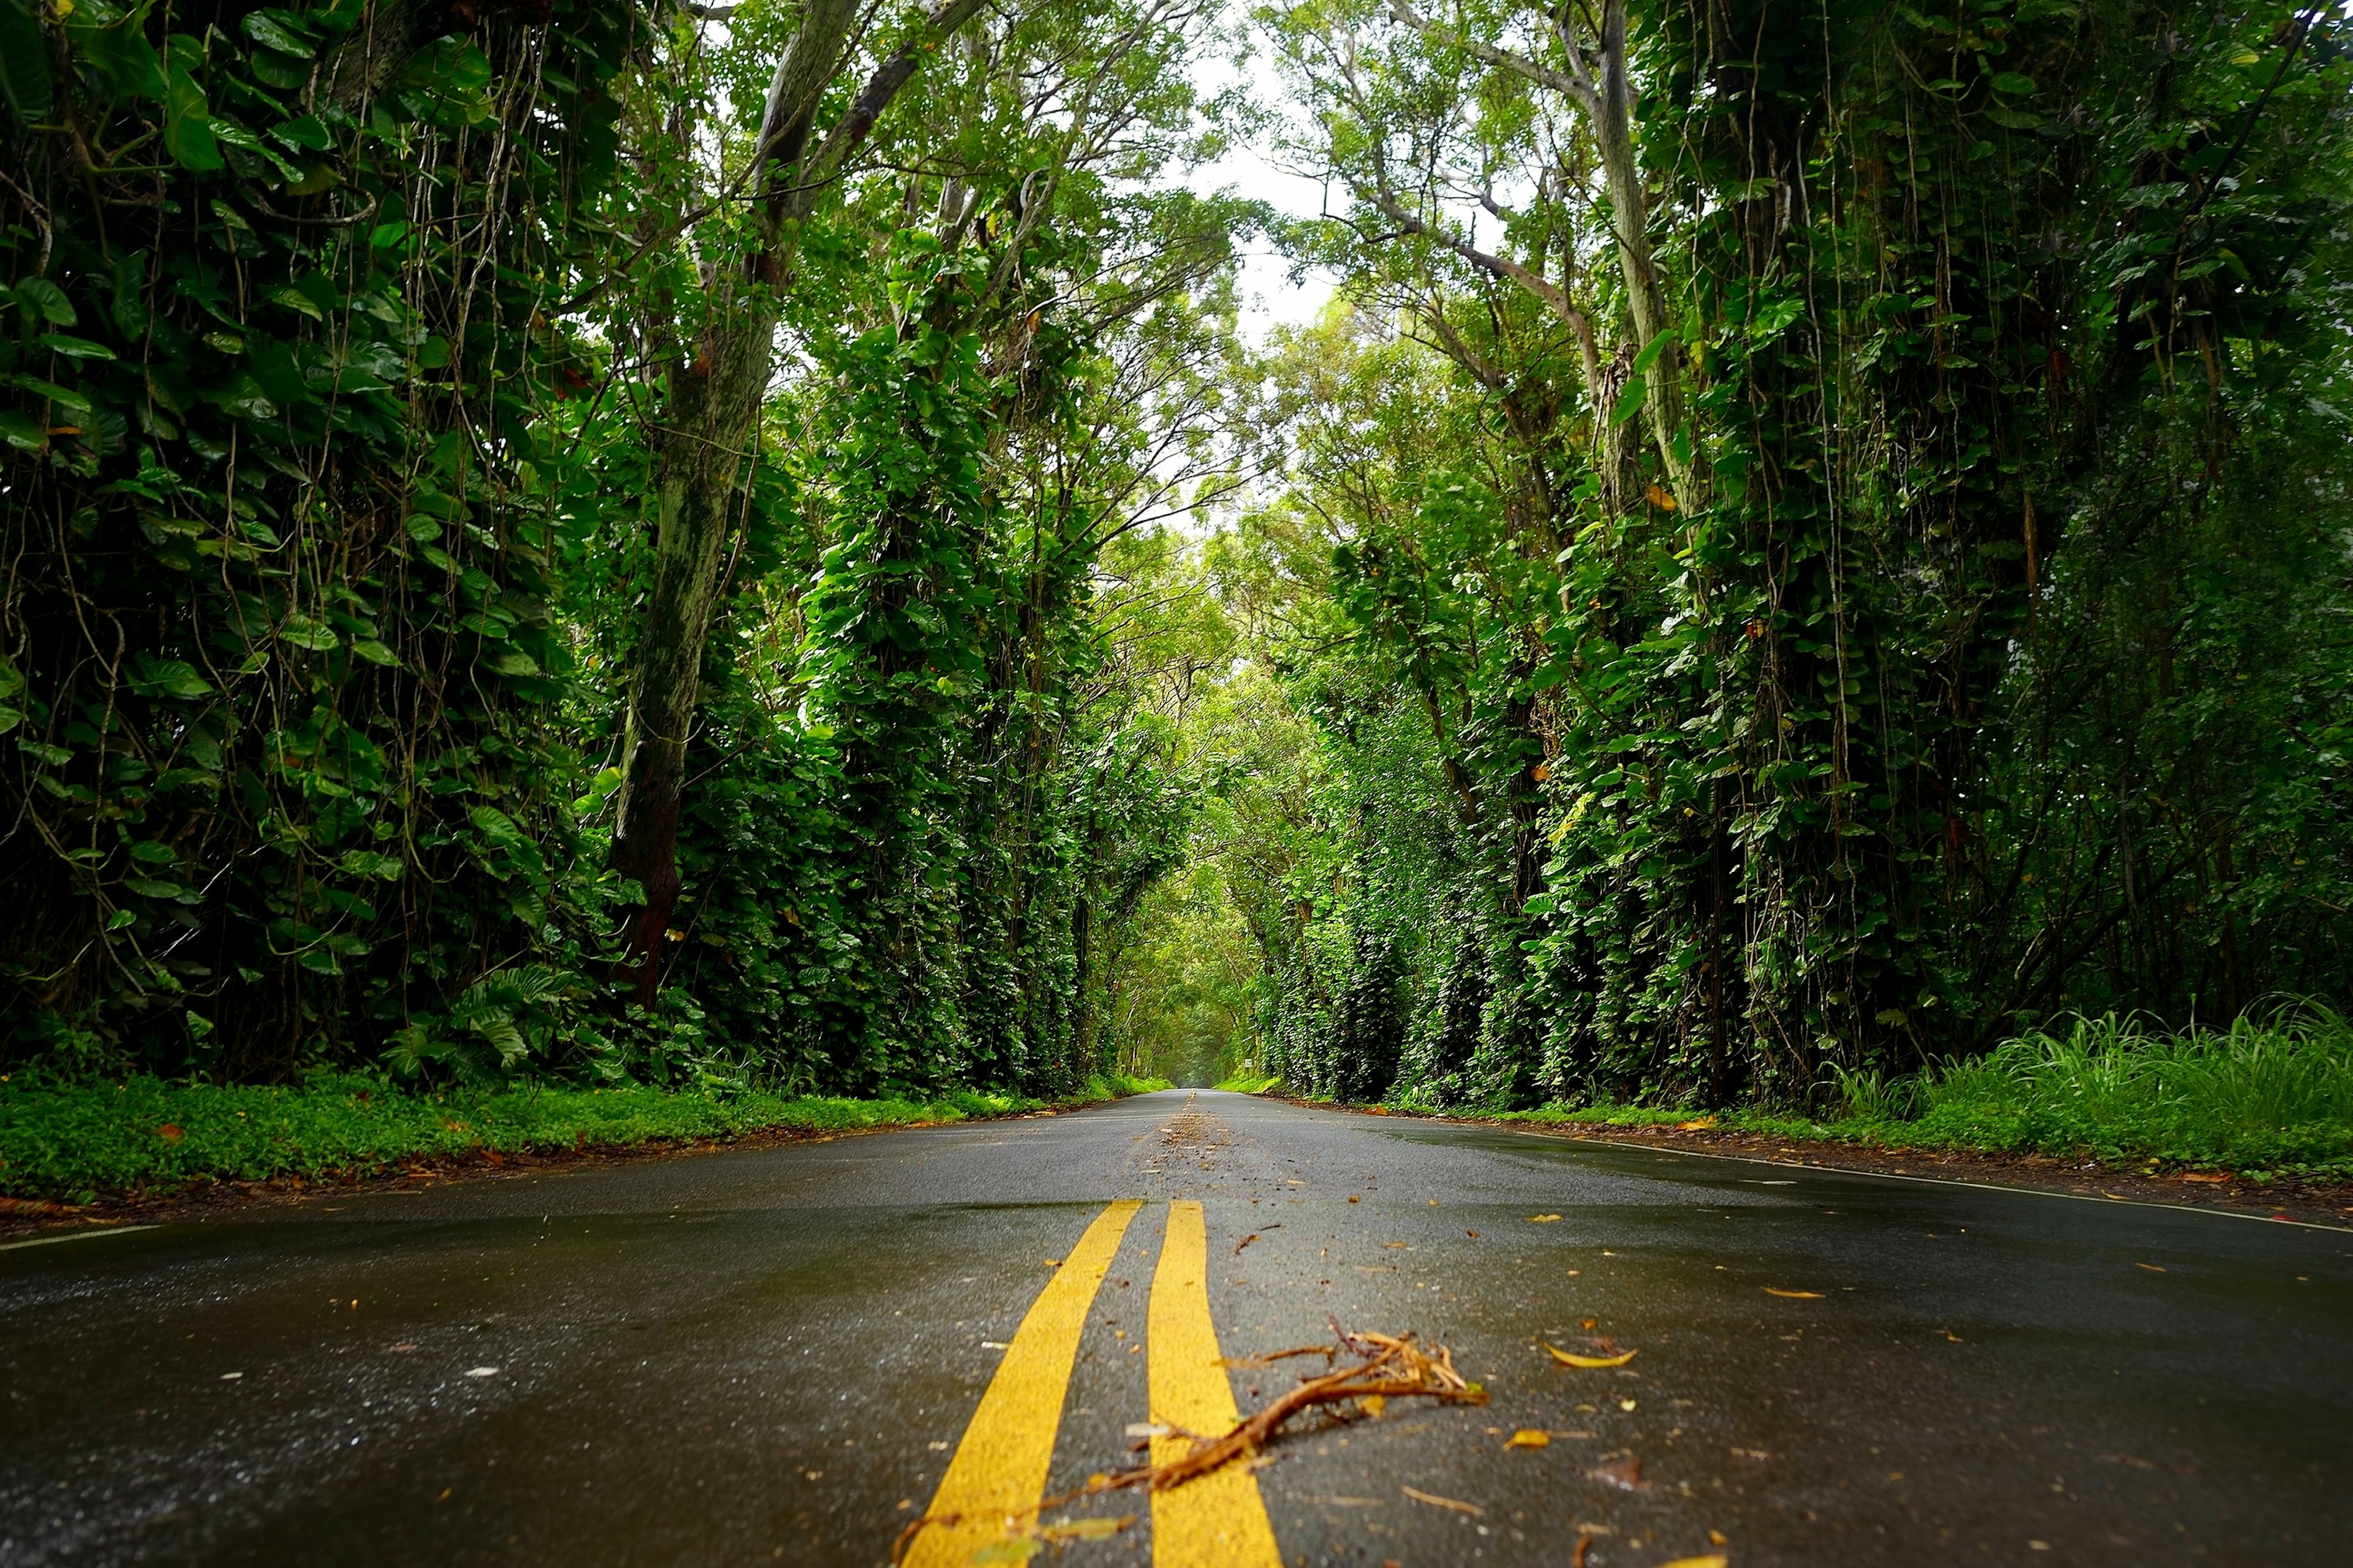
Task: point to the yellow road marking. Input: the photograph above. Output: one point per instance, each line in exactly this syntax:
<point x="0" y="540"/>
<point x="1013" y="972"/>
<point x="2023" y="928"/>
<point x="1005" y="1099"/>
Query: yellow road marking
<point x="1217" y="1520"/>
<point x="999" y="1468"/>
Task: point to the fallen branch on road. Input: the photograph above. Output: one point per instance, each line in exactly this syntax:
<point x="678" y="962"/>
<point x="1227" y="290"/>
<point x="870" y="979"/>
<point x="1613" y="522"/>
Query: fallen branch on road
<point x="1388" y="1367"/>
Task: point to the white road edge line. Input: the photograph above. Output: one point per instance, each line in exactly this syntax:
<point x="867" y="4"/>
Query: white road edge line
<point x="75" y="1235"/>
<point x="1929" y="1181"/>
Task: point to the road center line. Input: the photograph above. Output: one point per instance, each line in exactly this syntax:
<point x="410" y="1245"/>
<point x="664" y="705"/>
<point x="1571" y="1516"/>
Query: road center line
<point x="999" y="1468"/>
<point x="1217" y="1520"/>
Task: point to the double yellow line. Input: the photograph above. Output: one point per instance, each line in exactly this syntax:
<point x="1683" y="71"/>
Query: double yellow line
<point x="999" y="1473"/>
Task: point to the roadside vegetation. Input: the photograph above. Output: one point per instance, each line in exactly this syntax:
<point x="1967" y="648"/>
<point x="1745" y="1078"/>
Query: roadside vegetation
<point x="2259" y="1099"/>
<point x="70" y="1142"/>
<point x="565" y="554"/>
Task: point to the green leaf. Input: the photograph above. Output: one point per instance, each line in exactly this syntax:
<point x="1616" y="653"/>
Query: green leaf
<point x="308" y="133"/>
<point x="122" y="55"/>
<point x="2011" y="82"/>
<point x="375" y="652"/>
<point x="46" y="295"/>
<point x="279" y="30"/>
<point x="1650" y="353"/>
<point x="120" y="918"/>
<point x="63" y="396"/>
<point x="303" y="632"/>
<point x="167" y="677"/>
<point x="22" y="433"/>
<point x="75" y="348"/>
<point x="24" y="64"/>
<point x="188" y="123"/>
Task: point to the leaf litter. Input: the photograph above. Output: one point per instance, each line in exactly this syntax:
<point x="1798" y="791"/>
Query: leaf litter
<point x="1386" y="1367"/>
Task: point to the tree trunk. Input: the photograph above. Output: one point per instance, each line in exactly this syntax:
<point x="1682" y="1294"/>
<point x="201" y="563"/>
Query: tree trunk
<point x="714" y="407"/>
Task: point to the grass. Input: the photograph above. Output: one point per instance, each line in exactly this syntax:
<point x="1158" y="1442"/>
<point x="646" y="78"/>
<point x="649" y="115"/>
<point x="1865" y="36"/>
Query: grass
<point x="2270" y="1096"/>
<point x="73" y="1142"/>
<point x="1244" y="1083"/>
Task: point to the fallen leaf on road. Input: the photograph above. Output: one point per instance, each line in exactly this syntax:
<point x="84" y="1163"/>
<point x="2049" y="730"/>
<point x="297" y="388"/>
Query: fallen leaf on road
<point x="1542" y="1218"/>
<point x="1625" y="1474"/>
<point x="1751" y="1454"/>
<point x="1143" y="1429"/>
<point x="1471" y="1233"/>
<point x="1447" y="1503"/>
<point x="1626" y="1405"/>
<point x="406" y="1345"/>
<point x="1101" y="1528"/>
<point x="2205" y="1176"/>
<point x="1015" y="1549"/>
<point x="1584" y="1545"/>
<point x="1695" y="1126"/>
<point x="1053" y="1263"/>
<point x="482" y="1372"/>
<point x="1795" y="1295"/>
<point x="1528" y="1437"/>
<point x="1355" y="1198"/>
<point x="2152" y="1267"/>
<point x="1245" y="1241"/>
<point x="1569" y="1358"/>
<point x="1393" y="1245"/>
<point x="1713" y="1560"/>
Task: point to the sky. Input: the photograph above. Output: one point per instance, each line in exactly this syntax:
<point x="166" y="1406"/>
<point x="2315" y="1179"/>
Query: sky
<point x="1269" y="299"/>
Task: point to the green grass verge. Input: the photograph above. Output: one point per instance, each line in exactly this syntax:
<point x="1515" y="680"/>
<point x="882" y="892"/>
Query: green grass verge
<point x="71" y="1143"/>
<point x="1244" y="1083"/>
<point x="2263" y="1098"/>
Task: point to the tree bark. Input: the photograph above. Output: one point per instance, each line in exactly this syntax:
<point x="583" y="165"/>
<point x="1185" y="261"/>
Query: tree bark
<point x="714" y="398"/>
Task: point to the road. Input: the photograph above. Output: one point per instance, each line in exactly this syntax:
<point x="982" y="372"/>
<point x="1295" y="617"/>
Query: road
<point x="777" y="1354"/>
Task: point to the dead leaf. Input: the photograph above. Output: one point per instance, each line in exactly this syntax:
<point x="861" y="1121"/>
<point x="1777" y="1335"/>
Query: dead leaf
<point x="1662" y="499"/>
<point x="1053" y="1263"/>
<point x="1625" y="1474"/>
<point x="170" y="1132"/>
<point x="2152" y="1267"/>
<point x="1713" y="1560"/>
<point x="1393" y="1245"/>
<point x="1245" y="1241"/>
<point x="1013" y="1549"/>
<point x="1626" y="1405"/>
<point x="1445" y="1502"/>
<point x="2205" y="1176"/>
<point x="1794" y="1295"/>
<point x="1751" y="1454"/>
<point x="1375" y="1405"/>
<point x="1704" y="1122"/>
<point x="1528" y="1437"/>
<point x="1589" y="1363"/>
<point x="1355" y="1198"/>
<point x="1542" y="1218"/>
<point x="1101" y="1528"/>
<point x="1471" y="1233"/>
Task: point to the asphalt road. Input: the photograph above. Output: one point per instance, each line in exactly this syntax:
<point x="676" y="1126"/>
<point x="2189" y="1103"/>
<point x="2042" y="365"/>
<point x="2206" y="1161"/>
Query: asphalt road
<point x="775" y="1354"/>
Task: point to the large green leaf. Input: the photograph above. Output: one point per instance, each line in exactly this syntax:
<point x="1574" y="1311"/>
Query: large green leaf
<point x="23" y="63"/>
<point x="123" y="56"/>
<point x="188" y="123"/>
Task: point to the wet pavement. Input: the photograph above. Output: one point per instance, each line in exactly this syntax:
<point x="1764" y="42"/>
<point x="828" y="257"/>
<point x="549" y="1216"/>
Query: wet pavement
<point x="771" y="1355"/>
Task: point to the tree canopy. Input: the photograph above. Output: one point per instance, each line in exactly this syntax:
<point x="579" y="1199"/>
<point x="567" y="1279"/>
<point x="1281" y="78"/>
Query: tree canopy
<point x="759" y="546"/>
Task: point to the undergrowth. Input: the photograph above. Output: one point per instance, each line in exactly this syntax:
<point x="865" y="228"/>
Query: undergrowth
<point x="73" y="1142"/>
<point x="2269" y="1095"/>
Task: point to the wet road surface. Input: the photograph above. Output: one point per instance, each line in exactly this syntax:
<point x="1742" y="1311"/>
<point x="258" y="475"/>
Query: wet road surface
<point x="775" y="1355"/>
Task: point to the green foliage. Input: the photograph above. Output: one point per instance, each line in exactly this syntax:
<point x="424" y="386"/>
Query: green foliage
<point x="1975" y="662"/>
<point x="72" y="1142"/>
<point x="280" y="651"/>
<point x="2265" y="1094"/>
